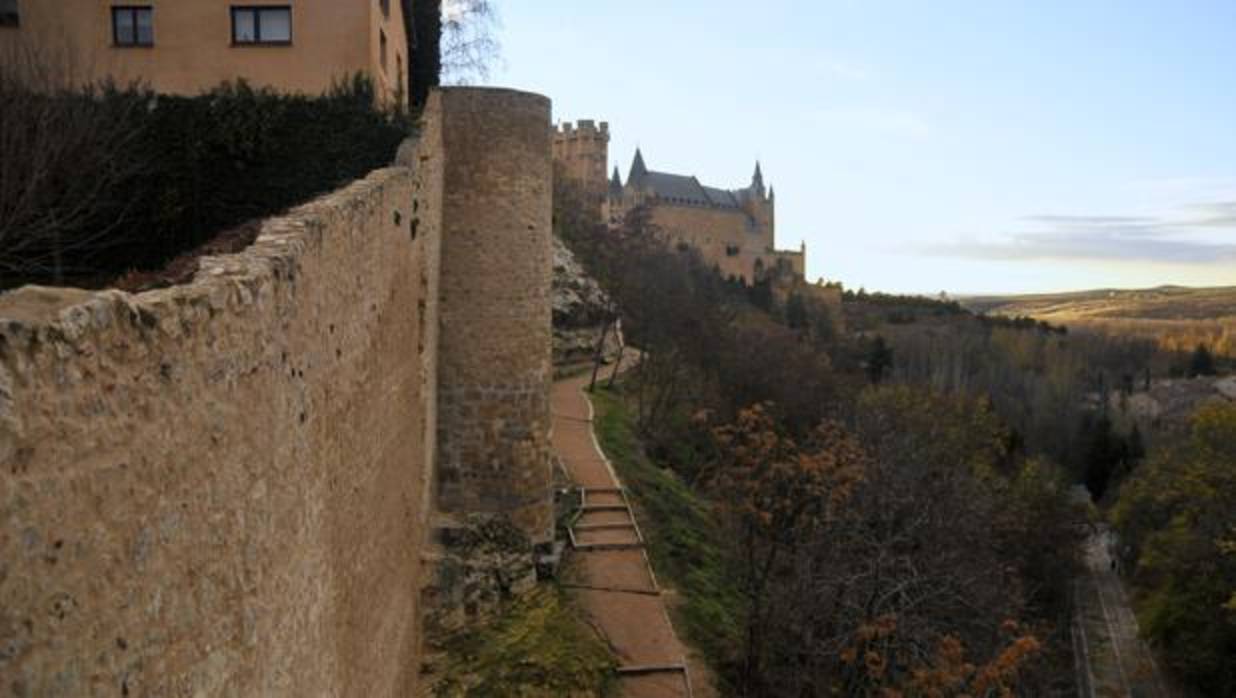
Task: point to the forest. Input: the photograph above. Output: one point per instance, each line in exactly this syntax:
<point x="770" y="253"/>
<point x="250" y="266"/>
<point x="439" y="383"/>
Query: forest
<point x="891" y="502"/>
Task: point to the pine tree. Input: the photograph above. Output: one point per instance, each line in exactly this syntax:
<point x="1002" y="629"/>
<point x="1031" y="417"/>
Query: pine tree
<point x="1202" y="362"/>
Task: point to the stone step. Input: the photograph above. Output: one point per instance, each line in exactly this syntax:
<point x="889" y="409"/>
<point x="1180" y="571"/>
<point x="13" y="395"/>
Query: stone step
<point x="604" y="507"/>
<point x="604" y="516"/>
<point x="604" y="526"/>
<point x="598" y="497"/>
<point x="591" y="538"/>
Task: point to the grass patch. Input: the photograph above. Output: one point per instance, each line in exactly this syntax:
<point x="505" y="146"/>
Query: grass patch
<point x="538" y="647"/>
<point x="683" y="535"/>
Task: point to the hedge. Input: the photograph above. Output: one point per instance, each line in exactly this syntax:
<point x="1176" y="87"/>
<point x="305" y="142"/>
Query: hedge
<point x="202" y="165"/>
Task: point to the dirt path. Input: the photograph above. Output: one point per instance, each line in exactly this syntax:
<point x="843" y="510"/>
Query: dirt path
<point x="613" y="579"/>
<point x="1113" y="659"/>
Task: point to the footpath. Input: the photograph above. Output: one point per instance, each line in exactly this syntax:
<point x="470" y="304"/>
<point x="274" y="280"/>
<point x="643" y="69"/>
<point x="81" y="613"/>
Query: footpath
<point x="612" y="577"/>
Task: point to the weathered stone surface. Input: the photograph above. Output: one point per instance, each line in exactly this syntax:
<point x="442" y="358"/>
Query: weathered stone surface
<point x="578" y="300"/>
<point x="209" y="489"/>
<point x="222" y="488"/>
<point x="579" y="312"/>
<point x="484" y="562"/>
<point x="493" y="392"/>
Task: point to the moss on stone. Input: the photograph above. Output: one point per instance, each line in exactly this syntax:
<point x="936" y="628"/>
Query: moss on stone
<point x="539" y="646"/>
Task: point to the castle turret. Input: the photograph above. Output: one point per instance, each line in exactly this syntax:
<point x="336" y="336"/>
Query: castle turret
<point x="638" y="170"/>
<point x="615" y="183"/>
<point x="757" y="181"/>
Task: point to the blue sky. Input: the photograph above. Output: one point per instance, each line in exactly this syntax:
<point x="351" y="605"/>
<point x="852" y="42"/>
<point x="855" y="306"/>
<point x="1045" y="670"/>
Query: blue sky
<point x="916" y="146"/>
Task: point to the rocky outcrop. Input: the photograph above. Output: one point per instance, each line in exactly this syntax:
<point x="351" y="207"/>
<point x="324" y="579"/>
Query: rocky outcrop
<point x="1169" y="401"/>
<point x="579" y="310"/>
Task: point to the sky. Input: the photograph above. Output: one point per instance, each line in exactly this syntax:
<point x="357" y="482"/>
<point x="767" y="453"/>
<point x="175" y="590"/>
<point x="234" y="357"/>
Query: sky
<point x="920" y="146"/>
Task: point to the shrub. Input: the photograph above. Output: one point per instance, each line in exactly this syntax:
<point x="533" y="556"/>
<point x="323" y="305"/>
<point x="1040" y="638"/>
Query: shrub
<point x="175" y="170"/>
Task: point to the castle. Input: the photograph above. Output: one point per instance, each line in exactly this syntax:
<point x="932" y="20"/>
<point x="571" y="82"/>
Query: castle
<point x="734" y="230"/>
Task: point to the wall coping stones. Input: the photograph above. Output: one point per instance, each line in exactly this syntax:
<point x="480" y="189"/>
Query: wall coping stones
<point x="65" y="314"/>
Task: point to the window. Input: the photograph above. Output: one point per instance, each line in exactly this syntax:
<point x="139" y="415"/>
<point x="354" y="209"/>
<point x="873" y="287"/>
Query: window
<point x="731" y="250"/>
<point x="261" y="25"/>
<point x="382" y="49"/>
<point x="133" y="25"/>
<point x="9" y="17"/>
<point x="386" y="8"/>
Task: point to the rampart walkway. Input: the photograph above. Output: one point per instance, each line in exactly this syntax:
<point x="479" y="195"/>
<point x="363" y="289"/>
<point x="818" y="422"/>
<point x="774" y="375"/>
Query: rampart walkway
<point x="613" y="580"/>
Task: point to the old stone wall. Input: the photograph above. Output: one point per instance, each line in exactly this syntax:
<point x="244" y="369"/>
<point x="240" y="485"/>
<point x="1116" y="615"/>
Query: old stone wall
<point x="223" y="488"/>
<point x="724" y="237"/>
<point x="206" y="488"/>
<point x="493" y="397"/>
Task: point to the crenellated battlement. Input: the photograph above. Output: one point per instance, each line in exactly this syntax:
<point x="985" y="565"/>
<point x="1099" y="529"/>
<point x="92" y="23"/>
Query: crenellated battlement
<point x="582" y="129"/>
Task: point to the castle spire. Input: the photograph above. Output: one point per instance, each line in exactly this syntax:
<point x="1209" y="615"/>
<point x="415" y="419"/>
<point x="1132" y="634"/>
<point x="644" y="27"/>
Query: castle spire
<point x="757" y="180"/>
<point x="638" y="169"/>
<point x="615" y="183"/>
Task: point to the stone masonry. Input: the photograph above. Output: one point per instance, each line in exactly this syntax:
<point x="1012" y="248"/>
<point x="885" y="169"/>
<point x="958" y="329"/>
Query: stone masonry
<point x="493" y="398"/>
<point x="223" y="488"/>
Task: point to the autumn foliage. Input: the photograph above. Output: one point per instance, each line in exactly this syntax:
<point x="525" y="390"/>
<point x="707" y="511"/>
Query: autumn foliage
<point x="879" y="538"/>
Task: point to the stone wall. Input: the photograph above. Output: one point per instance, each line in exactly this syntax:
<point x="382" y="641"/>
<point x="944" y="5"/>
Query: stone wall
<point x="493" y="397"/>
<point x="724" y="237"/>
<point x="223" y="488"/>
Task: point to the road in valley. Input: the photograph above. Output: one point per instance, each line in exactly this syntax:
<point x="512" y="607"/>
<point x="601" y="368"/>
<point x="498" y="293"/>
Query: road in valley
<point x="1112" y="659"/>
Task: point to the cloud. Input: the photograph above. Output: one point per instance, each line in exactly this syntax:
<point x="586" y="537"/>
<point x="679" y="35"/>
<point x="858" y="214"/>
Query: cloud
<point x="1088" y="220"/>
<point x="1220" y="214"/>
<point x="1111" y="238"/>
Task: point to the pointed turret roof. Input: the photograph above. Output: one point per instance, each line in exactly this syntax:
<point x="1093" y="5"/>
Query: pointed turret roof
<point x="615" y="183"/>
<point x="757" y="182"/>
<point x="638" y="169"/>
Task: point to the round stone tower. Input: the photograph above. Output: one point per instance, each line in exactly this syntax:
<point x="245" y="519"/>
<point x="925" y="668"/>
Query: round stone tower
<point x="494" y="346"/>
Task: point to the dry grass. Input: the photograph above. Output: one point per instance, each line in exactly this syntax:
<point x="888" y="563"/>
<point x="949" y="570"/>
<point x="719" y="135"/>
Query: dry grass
<point x="1177" y="318"/>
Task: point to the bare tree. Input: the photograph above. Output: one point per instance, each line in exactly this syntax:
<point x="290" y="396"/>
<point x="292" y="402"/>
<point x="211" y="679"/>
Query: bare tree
<point x="67" y="145"/>
<point x="469" y="48"/>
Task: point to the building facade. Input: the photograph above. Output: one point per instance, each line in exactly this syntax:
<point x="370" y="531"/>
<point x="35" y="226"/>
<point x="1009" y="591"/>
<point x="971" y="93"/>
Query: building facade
<point x="189" y="46"/>
<point x="733" y="229"/>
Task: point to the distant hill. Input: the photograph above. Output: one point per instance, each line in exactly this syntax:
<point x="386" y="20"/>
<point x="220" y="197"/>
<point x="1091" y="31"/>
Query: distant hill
<point x="1161" y="303"/>
<point x="1177" y="317"/>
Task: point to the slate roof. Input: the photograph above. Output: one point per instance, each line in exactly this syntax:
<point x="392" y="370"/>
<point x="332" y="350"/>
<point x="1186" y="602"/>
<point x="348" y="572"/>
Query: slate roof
<point x="721" y="197"/>
<point x="615" y="183"/>
<point x="679" y="189"/>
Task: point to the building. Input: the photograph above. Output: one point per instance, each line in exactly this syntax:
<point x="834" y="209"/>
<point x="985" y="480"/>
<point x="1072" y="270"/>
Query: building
<point x="189" y="46"/>
<point x="733" y="229"/>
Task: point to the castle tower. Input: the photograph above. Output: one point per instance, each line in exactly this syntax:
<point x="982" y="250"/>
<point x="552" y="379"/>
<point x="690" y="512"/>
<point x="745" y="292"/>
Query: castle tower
<point x="494" y="369"/>
<point x="759" y="204"/>
<point x="581" y="152"/>
<point x="614" y="209"/>
<point x="770" y="215"/>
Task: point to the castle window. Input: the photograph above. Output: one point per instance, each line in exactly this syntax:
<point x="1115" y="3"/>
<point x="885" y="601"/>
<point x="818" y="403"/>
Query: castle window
<point x="133" y="25"/>
<point x="266" y="25"/>
<point x="731" y="250"/>
<point x="683" y="247"/>
<point x="9" y="16"/>
<point x="386" y="8"/>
